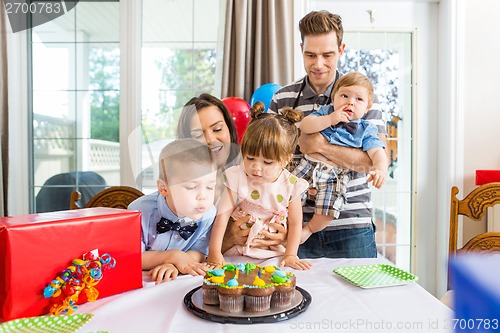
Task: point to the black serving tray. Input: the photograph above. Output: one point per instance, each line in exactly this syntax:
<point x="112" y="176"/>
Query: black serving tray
<point x="194" y="302"/>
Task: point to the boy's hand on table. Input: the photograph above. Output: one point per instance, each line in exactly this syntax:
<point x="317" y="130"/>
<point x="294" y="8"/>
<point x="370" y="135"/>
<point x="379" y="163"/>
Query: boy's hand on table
<point x="163" y="273"/>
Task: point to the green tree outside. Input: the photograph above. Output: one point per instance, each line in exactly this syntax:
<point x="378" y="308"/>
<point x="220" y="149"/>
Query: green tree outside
<point x="184" y="74"/>
<point x="104" y="72"/>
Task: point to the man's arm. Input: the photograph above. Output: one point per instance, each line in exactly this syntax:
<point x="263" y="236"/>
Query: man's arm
<point x="346" y="157"/>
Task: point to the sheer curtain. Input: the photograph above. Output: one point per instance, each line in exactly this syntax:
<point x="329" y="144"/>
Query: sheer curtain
<point x="258" y="45"/>
<point x="4" y="113"/>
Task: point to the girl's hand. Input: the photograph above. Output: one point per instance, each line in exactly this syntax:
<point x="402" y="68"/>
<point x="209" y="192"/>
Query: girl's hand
<point x="294" y="262"/>
<point x="163" y="273"/>
<point x="215" y="260"/>
<point x="377" y="177"/>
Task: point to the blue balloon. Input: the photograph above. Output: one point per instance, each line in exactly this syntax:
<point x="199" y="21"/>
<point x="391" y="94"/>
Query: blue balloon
<point x="265" y="94"/>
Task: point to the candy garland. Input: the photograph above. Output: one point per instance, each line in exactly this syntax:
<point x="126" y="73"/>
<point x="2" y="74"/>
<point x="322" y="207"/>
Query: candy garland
<point x="83" y="275"/>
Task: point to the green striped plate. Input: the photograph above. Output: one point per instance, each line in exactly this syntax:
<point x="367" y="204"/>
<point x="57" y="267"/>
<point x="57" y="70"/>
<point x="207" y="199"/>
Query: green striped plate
<point x="373" y="276"/>
<point x="47" y="324"/>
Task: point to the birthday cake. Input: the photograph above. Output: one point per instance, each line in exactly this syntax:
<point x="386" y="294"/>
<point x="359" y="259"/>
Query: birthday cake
<point x="249" y="287"/>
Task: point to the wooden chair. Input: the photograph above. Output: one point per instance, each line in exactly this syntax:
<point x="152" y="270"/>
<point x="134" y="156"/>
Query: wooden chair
<point x="474" y="206"/>
<point x="114" y="197"/>
<point x="53" y="196"/>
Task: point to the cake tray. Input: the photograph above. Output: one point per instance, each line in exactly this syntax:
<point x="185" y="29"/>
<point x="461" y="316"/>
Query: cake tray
<point x="194" y="302"/>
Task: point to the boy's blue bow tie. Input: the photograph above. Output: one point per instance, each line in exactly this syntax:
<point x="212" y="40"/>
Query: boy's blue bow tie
<point x="166" y="225"/>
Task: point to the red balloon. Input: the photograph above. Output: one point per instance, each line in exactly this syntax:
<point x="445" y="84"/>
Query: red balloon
<point x="240" y="111"/>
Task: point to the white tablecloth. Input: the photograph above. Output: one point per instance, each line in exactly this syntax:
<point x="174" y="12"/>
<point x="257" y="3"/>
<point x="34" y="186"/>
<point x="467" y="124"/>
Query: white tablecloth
<point x="336" y="306"/>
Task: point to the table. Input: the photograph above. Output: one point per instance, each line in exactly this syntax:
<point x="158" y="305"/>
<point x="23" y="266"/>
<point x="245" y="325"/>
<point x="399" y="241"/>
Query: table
<point x="336" y="306"/>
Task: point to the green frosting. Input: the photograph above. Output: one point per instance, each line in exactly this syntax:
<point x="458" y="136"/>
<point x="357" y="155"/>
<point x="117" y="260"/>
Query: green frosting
<point x="229" y="267"/>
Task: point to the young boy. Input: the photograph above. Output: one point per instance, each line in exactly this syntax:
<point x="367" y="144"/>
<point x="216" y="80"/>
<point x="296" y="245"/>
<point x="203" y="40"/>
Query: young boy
<point x="341" y="124"/>
<point x="177" y="219"/>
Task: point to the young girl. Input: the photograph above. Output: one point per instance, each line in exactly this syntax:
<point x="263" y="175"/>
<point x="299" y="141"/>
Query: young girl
<point x="262" y="188"/>
<point x="206" y="118"/>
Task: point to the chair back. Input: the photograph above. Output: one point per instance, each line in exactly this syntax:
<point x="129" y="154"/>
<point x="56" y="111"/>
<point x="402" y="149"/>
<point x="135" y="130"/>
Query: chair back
<point x="55" y="191"/>
<point x="113" y="197"/>
<point x="474" y="206"/>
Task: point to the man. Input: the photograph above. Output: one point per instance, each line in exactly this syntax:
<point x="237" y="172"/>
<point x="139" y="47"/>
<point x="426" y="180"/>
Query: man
<point x="352" y="234"/>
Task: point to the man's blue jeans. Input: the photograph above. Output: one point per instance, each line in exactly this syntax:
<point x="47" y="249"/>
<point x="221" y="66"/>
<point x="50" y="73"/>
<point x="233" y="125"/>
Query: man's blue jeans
<point x="345" y="243"/>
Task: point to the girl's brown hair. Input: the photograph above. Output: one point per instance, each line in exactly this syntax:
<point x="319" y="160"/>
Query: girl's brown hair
<point x="274" y="136"/>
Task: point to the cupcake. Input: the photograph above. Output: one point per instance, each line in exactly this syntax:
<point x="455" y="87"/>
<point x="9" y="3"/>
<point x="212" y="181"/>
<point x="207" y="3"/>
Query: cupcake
<point x="210" y="288"/>
<point x="284" y="291"/>
<point x="282" y="298"/>
<point x="248" y="287"/>
<point x="258" y="299"/>
<point x="231" y="300"/>
<point x="210" y="294"/>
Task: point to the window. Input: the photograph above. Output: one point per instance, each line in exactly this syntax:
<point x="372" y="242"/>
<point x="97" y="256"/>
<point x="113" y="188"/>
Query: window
<point x="75" y="99"/>
<point x="75" y="94"/>
<point x="386" y="58"/>
<point x="179" y="58"/>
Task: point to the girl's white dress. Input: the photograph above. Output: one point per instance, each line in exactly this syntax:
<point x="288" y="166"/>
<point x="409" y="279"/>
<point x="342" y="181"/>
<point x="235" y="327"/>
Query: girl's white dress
<point x="265" y="203"/>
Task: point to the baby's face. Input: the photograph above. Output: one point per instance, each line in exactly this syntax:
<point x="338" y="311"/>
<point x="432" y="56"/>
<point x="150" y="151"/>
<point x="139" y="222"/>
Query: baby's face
<point x="352" y="100"/>
<point x="191" y="197"/>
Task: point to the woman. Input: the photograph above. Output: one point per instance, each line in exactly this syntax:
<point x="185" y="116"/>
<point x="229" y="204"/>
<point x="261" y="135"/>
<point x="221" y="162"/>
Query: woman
<point x="207" y="119"/>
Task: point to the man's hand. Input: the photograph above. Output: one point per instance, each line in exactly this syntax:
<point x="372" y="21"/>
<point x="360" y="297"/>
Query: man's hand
<point x="277" y="237"/>
<point x="309" y="143"/>
<point x="341" y="156"/>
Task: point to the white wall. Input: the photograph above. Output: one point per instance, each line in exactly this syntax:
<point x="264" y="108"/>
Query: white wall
<point x="481" y="92"/>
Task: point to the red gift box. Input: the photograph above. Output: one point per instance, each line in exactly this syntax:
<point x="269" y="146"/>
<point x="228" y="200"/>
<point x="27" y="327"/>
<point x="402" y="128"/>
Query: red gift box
<point x="487" y="176"/>
<point x="35" y="248"/>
